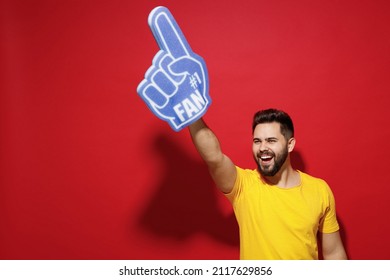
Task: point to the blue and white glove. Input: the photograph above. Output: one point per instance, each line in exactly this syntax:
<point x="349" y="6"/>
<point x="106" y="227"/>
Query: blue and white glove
<point x="176" y="86"/>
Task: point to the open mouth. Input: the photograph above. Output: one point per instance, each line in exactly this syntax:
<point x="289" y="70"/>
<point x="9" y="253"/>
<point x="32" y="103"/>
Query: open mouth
<point x="266" y="158"/>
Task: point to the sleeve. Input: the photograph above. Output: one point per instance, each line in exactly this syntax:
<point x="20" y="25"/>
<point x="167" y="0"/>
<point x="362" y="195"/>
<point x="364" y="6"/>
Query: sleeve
<point x="237" y="188"/>
<point x="329" y="223"/>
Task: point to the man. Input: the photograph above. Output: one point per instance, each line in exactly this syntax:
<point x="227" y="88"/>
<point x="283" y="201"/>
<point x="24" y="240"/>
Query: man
<point x="280" y="211"/>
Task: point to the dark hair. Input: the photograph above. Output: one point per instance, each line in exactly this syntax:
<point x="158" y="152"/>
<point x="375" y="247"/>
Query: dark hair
<point x="274" y="115"/>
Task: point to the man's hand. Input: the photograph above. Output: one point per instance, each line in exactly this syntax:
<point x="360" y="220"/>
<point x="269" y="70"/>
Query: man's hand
<point x="176" y="86"/>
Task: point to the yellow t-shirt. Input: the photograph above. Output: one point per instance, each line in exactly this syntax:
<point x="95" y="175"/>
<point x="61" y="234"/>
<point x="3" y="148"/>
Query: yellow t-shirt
<point x="278" y="223"/>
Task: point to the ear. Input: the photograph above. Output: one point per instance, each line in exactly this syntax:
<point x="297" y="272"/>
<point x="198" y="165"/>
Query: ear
<point x="291" y="144"/>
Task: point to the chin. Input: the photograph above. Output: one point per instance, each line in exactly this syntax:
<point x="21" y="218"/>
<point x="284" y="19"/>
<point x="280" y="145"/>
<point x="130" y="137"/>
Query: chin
<point x="267" y="173"/>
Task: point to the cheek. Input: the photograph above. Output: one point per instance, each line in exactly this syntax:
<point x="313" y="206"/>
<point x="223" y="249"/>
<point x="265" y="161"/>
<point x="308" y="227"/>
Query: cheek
<point x="255" y="149"/>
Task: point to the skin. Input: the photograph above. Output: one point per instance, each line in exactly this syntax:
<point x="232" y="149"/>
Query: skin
<point x="268" y="145"/>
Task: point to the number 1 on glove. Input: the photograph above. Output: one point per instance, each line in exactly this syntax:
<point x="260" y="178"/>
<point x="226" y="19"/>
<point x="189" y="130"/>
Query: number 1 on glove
<point x="176" y="86"/>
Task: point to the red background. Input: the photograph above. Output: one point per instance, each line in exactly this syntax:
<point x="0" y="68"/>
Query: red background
<point x="87" y="172"/>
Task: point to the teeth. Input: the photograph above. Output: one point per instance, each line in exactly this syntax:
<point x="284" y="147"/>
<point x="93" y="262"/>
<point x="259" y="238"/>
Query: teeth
<point x="265" y="157"/>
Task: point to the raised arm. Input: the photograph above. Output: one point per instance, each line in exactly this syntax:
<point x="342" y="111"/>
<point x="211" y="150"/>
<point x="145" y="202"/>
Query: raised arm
<point x="176" y="90"/>
<point x="221" y="168"/>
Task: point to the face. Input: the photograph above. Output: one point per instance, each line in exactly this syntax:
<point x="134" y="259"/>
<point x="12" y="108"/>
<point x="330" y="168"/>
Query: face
<point x="270" y="148"/>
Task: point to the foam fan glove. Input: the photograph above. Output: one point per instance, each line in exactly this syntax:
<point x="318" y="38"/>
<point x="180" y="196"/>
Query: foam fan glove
<point x="176" y="86"/>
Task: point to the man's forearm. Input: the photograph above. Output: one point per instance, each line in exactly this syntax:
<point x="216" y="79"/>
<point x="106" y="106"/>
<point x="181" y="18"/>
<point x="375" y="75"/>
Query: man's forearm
<point x="205" y="142"/>
<point x="221" y="168"/>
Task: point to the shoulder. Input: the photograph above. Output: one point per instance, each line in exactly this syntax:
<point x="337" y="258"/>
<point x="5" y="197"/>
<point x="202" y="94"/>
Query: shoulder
<point x="247" y="175"/>
<point x="246" y="180"/>
<point x="312" y="180"/>
<point x="316" y="184"/>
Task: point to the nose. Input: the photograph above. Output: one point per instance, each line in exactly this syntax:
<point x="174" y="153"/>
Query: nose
<point x="263" y="147"/>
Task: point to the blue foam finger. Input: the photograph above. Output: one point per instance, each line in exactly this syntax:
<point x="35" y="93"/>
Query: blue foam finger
<point x="165" y="83"/>
<point x="167" y="32"/>
<point x="176" y="87"/>
<point x="155" y="97"/>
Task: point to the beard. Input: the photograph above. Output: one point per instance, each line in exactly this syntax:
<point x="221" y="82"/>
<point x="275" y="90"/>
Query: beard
<point x="272" y="169"/>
